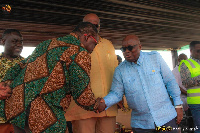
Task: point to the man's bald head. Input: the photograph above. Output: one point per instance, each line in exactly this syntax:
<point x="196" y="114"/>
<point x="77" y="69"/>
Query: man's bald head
<point x="94" y="19"/>
<point x="133" y="38"/>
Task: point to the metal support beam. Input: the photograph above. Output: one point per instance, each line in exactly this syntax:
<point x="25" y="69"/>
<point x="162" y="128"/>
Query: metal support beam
<point x="174" y="57"/>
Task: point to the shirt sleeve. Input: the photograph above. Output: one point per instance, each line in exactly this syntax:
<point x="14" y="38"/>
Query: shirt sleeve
<point x="117" y="90"/>
<point x="79" y="81"/>
<point x="170" y="81"/>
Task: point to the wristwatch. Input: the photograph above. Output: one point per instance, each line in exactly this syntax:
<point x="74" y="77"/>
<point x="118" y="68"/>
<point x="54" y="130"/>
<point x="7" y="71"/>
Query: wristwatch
<point x="179" y="106"/>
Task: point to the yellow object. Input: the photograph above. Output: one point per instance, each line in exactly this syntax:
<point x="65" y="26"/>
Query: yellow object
<point x="194" y="70"/>
<point x="103" y="64"/>
<point x="193" y="93"/>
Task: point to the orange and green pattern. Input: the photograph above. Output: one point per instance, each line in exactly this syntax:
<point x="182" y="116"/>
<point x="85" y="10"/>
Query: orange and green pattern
<point x="45" y="81"/>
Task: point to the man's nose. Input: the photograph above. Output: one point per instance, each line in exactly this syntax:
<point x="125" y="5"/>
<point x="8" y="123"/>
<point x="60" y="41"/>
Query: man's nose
<point x="19" y="43"/>
<point x="127" y="50"/>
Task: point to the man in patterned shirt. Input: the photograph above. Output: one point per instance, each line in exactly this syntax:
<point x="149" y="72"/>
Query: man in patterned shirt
<point x="190" y="75"/>
<point x="13" y="45"/>
<point x="43" y="83"/>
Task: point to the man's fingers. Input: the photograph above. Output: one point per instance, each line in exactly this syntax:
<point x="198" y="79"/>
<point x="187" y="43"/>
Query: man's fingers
<point x="179" y="119"/>
<point x="8" y="90"/>
<point x="102" y="100"/>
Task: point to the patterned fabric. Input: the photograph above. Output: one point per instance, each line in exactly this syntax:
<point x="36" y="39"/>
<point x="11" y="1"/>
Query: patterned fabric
<point x="44" y="82"/>
<point x="5" y="64"/>
<point x="103" y="64"/>
<point x="186" y="76"/>
<point x="147" y="86"/>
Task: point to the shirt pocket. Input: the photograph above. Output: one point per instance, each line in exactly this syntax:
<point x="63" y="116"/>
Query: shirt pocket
<point x="154" y="77"/>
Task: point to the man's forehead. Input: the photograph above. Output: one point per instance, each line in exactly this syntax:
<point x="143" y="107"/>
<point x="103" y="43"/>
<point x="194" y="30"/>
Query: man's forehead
<point x="92" y="20"/>
<point x="14" y="35"/>
<point x="130" y="41"/>
<point x="197" y="46"/>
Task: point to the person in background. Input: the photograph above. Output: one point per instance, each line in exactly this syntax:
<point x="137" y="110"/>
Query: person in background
<point x="103" y="64"/>
<point x="43" y="84"/>
<point x="147" y="82"/>
<point x="119" y="59"/>
<point x="190" y="76"/>
<point x="188" y="119"/>
<point x="178" y="80"/>
<point x="13" y="44"/>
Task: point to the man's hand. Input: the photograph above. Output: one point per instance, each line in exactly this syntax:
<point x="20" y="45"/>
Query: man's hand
<point x="5" y="91"/>
<point x="101" y="107"/>
<point x="120" y="104"/>
<point x="179" y="115"/>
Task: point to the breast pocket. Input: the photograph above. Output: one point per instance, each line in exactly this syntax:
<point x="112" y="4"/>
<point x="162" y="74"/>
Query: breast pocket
<point x="154" y="77"/>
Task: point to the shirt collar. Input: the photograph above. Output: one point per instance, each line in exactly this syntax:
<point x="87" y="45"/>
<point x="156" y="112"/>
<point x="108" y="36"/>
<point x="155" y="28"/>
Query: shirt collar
<point x="140" y="59"/>
<point x="18" y="57"/>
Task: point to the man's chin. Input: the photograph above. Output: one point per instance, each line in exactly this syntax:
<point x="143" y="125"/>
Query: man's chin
<point x="129" y="60"/>
<point x="15" y="55"/>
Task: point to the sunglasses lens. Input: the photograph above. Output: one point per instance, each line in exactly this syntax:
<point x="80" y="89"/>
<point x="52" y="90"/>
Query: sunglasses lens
<point x="123" y="49"/>
<point x="96" y="25"/>
<point x="130" y="48"/>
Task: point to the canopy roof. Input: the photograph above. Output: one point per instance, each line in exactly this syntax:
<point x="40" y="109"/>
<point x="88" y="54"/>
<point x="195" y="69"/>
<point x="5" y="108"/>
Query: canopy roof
<point x="160" y="24"/>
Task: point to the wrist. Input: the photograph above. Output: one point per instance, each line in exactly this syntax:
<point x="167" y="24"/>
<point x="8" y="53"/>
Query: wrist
<point x="179" y="106"/>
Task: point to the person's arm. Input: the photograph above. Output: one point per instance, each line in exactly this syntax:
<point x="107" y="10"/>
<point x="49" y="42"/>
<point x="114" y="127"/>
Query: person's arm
<point x="182" y="90"/>
<point x="169" y="81"/>
<point x="172" y="87"/>
<point x="79" y="81"/>
<point x="117" y="90"/>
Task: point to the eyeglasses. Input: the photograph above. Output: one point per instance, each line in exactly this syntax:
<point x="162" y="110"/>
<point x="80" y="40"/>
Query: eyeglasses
<point x="130" y="48"/>
<point x="198" y="51"/>
<point x="97" y="25"/>
<point x="91" y="37"/>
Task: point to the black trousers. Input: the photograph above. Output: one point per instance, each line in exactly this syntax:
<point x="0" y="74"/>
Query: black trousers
<point x="171" y="123"/>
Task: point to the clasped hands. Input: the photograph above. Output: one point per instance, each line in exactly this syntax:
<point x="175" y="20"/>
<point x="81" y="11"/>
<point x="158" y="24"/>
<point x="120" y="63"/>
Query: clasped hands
<point x="101" y="105"/>
<point x="5" y="91"/>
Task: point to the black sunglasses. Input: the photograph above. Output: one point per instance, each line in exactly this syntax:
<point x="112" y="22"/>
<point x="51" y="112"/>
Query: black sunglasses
<point x="198" y="51"/>
<point x="130" y="48"/>
<point x="96" y="25"/>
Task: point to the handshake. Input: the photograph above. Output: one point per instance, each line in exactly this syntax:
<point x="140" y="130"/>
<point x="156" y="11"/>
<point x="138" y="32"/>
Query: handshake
<point x="100" y="105"/>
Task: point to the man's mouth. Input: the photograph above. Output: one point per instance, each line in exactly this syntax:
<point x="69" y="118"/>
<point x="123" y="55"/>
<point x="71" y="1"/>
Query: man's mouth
<point x="127" y="56"/>
<point x="18" y="49"/>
